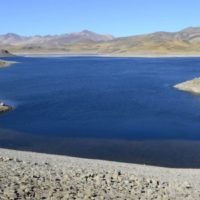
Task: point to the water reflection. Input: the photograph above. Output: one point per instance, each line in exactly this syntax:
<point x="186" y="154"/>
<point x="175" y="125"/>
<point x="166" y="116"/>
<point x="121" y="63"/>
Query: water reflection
<point x="169" y="153"/>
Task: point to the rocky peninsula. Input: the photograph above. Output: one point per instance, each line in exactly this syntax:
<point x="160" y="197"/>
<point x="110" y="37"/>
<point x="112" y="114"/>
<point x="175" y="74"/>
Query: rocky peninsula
<point x="192" y="86"/>
<point x="4" y="63"/>
<point x="27" y="175"/>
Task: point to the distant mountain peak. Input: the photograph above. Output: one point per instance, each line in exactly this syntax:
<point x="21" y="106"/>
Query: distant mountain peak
<point x="86" y="31"/>
<point x="191" y="29"/>
<point x="11" y="34"/>
<point x="54" y="40"/>
<point x="90" y="35"/>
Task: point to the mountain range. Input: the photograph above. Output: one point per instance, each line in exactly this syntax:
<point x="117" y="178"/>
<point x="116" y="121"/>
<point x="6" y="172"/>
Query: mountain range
<point x="184" y="42"/>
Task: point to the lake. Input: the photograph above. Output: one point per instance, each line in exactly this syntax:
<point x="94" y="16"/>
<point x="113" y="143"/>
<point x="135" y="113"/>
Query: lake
<point x="122" y="109"/>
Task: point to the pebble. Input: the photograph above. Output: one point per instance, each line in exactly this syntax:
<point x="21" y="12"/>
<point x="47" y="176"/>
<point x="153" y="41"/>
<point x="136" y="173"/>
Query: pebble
<point x="21" y="179"/>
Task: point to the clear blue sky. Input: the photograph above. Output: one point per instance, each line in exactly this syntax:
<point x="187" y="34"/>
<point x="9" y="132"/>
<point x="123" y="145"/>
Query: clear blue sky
<point x="117" y="17"/>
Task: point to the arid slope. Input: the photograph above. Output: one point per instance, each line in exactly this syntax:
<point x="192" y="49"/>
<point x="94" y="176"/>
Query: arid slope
<point x="184" y="42"/>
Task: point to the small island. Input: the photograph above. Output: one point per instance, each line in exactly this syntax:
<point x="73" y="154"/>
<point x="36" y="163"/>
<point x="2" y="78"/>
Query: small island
<point x="4" y="108"/>
<point x="192" y="86"/>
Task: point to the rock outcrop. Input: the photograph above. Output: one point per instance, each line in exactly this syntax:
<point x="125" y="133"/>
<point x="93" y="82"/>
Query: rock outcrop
<point x="5" y="53"/>
<point x="4" y="108"/>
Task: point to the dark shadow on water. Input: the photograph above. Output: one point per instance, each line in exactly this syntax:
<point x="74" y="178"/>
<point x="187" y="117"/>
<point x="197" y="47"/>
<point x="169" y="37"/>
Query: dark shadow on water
<point x="168" y="153"/>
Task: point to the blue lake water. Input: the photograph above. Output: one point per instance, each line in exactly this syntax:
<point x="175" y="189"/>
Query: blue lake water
<point x="98" y="101"/>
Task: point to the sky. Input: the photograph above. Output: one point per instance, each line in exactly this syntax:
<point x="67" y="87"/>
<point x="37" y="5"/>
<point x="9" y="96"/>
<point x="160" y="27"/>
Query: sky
<point x="116" y="17"/>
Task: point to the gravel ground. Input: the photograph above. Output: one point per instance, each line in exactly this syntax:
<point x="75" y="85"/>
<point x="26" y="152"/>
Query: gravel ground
<point x="27" y="175"/>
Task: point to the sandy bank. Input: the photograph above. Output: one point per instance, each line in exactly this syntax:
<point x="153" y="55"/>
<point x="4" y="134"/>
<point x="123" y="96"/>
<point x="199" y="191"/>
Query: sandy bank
<point x="26" y="175"/>
<point x="192" y="86"/>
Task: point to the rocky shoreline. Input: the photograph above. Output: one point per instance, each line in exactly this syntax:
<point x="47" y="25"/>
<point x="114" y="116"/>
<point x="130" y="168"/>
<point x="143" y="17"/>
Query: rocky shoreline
<point x="192" y="86"/>
<point x="27" y="175"/>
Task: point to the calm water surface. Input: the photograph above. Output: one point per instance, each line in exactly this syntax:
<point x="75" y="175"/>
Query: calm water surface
<point x="123" y="109"/>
